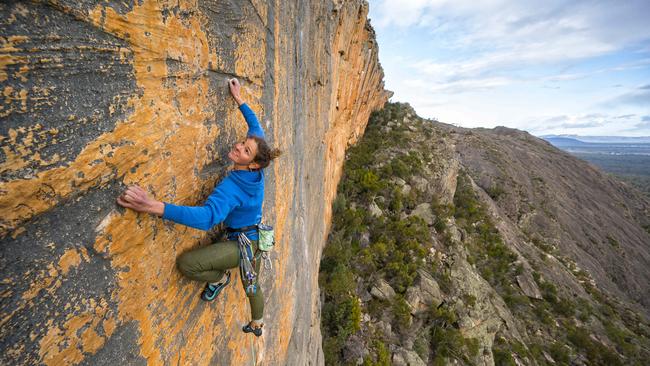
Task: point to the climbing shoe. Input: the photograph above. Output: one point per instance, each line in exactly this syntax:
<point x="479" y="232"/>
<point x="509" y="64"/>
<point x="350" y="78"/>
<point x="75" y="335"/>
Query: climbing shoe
<point x="248" y="329"/>
<point x="211" y="291"/>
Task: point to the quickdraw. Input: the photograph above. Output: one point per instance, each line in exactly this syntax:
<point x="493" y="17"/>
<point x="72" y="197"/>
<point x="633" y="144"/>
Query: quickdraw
<point x="246" y="268"/>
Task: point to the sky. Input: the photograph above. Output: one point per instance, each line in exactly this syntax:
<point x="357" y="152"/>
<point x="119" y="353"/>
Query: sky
<point x="547" y="67"/>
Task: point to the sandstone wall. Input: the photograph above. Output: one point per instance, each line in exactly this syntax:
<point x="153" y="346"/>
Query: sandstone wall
<point x="99" y="96"/>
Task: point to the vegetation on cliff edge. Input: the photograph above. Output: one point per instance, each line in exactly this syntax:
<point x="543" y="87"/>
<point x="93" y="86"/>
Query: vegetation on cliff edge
<point x="376" y="236"/>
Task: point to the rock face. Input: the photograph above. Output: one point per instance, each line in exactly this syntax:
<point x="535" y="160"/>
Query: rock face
<point x="382" y="290"/>
<point x="97" y="97"/>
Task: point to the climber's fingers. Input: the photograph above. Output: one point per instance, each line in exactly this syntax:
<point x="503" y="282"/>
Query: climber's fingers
<point x="123" y="202"/>
<point x="131" y="198"/>
<point x="235" y="87"/>
<point x="134" y="194"/>
<point x="134" y="198"/>
<point x="139" y="192"/>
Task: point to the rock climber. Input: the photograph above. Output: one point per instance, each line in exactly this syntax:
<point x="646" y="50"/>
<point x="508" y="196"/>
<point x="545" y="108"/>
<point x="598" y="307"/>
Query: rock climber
<point x="236" y="201"/>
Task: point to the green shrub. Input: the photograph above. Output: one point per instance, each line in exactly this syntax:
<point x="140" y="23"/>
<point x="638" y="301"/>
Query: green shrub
<point x="340" y="282"/>
<point x="421" y="346"/>
<point x="620" y="338"/>
<point x="560" y="306"/>
<point x="559" y="353"/>
<point x="400" y="169"/>
<point x="595" y="352"/>
<point x="542" y="311"/>
<point x="440" y="224"/>
<point x="369" y="181"/>
<point x="549" y="292"/>
<point x="564" y="307"/>
<point x="401" y="313"/>
<point x="469" y="300"/>
<point x="495" y="191"/>
<point x="396" y="203"/>
<point x="514" y="300"/>
<point x="487" y="251"/>
<point x="503" y="357"/>
<point x="332" y="351"/>
<point x="446" y="341"/>
<point x="541" y="244"/>
<point x="340" y="319"/>
<point x="613" y="242"/>
<point x="382" y="354"/>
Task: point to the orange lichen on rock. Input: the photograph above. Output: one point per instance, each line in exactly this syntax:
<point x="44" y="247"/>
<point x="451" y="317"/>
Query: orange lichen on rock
<point x="64" y="346"/>
<point x="71" y="258"/>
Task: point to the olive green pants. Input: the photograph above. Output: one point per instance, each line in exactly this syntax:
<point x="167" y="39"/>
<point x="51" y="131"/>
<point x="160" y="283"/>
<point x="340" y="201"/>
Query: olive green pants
<point x="209" y="264"/>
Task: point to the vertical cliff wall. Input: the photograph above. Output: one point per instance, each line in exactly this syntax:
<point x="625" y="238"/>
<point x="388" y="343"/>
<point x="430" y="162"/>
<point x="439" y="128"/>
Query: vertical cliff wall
<point x="99" y="96"/>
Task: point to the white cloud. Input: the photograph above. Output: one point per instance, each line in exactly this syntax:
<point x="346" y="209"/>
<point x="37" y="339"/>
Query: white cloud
<point x="585" y="124"/>
<point x="638" y="97"/>
<point x="457" y="86"/>
<point x="468" y="54"/>
<point x="499" y="35"/>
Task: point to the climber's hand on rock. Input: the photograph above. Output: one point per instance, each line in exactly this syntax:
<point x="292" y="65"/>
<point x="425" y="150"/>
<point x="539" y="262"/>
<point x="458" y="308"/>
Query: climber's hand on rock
<point x="235" y="90"/>
<point x="137" y="199"/>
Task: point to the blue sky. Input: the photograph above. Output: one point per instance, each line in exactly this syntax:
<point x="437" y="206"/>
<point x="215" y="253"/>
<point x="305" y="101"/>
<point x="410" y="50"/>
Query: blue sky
<point x="547" y="67"/>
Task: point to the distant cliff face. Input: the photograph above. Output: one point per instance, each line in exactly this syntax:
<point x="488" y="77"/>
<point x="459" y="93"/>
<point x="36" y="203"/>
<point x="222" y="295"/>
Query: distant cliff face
<point x="482" y="247"/>
<point x="97" y="97"/>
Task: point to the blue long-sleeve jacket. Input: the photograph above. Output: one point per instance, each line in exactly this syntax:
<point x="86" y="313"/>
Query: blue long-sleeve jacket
<point x="236" y="200"/>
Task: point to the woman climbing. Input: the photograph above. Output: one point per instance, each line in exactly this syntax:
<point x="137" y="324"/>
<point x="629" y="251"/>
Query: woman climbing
<point x="236" y="201"/>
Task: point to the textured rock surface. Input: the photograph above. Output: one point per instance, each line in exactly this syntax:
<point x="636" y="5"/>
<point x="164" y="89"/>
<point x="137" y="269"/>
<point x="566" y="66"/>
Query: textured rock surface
<point x="423" y="211"/>
<point x="382" y="290"/>
<point x="528" y="286"/>
<point x="96" y="97"/>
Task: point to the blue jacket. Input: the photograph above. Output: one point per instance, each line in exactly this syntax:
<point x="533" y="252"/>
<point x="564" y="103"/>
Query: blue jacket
<point x="236" y="200"/>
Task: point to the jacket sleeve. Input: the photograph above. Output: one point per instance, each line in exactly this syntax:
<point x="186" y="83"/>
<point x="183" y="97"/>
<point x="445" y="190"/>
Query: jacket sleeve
<point x="215" y="209"/>
<point x="254" y="127"/>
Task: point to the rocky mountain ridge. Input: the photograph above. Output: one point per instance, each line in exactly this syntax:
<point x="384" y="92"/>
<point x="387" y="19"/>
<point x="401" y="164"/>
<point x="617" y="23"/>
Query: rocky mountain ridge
<point x="481" y="247"/>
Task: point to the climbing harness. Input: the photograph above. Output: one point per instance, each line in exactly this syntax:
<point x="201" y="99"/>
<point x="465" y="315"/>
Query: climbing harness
<point x="246" y="268"/>
<point x="265" y="243"/>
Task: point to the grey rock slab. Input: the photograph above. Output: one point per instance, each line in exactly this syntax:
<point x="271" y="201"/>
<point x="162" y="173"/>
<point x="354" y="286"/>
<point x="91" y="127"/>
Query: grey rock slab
<point x="398" y="359"/>
<point x="423" y="211"/>
<point x="413" y="300"/>
<point x="421" y="184"/>
<point x="429" y="290"/>
<point x="355" y="349"/>
<point x="528" y="285"/>
<point x="406" y="189"/>
<point x="382" y="290"/>
<point x="375" y="210"/>
<point x="385" y="328"/>
<point x="364" y="241"/>
<point x="399" y="181"/>
<point x="412" y="358"/>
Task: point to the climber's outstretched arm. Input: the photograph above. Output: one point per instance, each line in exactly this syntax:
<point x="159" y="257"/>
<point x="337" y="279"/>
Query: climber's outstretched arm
<point x="254" y="127"/>
<point x="235" y="90"/>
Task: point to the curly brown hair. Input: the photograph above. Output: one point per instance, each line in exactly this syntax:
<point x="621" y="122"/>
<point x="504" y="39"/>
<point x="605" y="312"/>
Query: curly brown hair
<point x="264" y="152"/>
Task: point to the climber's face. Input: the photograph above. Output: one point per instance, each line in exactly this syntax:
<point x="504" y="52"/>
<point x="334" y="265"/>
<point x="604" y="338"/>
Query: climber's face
<point x="243" y="153"/>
